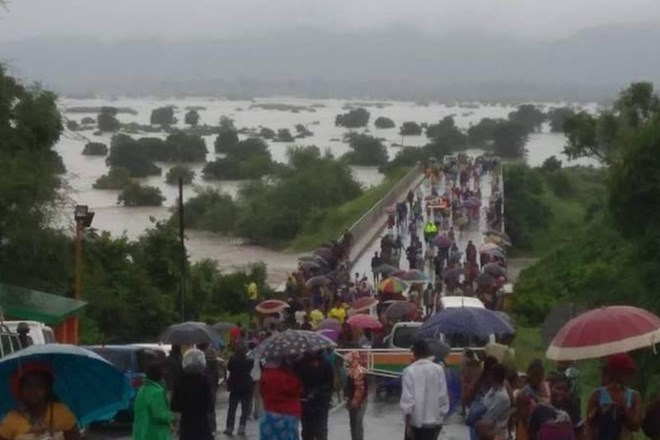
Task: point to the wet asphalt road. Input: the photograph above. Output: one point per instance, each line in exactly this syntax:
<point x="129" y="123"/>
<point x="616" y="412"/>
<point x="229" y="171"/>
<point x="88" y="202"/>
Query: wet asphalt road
<point x="383" y="421"/>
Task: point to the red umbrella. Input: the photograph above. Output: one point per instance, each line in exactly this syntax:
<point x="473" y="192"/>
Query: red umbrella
<point x="271" y="306"/>
<point x="362" y="305"/>
<point x="364" y="322"/>
<point x="605" y="331"/>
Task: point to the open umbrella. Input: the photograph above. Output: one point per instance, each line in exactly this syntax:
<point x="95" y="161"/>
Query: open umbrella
<point x="483" y="279"/>
<point x="364" y="322"/>
<point x="325" y="253"/>
<point x="443" y="241"/>
<point x="320" y="280"/>
<point x="223" y="327"/>
<point x="453" y="273"/>
<point x="270" y="306"/>
<point x="329" y="323"/>
<point x="489" y="247"/>
<point x="291" y="343"/>
<point x="466" y="321"/>
<point x="190" y="333"/>
<point x="309" y="264"/>
<point x="329" y="333"/>
<point x="385" y="269"/>
<point x="472" y="202"/>
<point x="399" y="310"/>
<point x="91" y="387"/>
<point x="415" y="276"/>
<point x="362" y="304"/>
<point x="605" y="331"/>
<point x="497" y="253"/>
<point x="456" y="256"/>
<point x="392" y="285"/>
<point x="494" y="270"/>
<point x="557" y="318"/>
<point x="390" y="209"/>
<point x="500" y="241"/>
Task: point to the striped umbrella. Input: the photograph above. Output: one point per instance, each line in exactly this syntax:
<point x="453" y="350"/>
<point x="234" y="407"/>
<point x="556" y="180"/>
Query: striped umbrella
<point x="271" y="306"/>
<point x="415" y="276"/>
<point x="392" y="285"/>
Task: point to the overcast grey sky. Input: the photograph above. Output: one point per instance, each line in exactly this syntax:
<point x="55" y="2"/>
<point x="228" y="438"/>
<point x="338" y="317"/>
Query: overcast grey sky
<point x="209" y="18"/>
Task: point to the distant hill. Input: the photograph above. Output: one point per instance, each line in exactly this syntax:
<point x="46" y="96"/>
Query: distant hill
<point x="390" y="63"/>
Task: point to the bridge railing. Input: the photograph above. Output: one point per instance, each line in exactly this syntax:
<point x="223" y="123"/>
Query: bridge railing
<point x="365" y="224"/>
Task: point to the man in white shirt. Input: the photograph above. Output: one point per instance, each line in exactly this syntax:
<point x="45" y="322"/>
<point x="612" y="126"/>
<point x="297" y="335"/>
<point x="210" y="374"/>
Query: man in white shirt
<point x="424" y="398"/>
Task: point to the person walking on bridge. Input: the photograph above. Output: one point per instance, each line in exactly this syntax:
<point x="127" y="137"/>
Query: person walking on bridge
<point x="424" y="397"/>
<point x="375" y="262"/>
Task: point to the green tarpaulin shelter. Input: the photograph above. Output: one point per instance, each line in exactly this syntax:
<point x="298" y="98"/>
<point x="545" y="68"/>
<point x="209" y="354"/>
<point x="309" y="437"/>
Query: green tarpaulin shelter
<point x="33" y="305"/>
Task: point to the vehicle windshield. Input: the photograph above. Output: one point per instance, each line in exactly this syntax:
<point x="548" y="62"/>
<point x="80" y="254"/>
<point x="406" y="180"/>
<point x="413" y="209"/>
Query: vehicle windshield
<point x="404" y="337"/>
<point x="120" y="359"/>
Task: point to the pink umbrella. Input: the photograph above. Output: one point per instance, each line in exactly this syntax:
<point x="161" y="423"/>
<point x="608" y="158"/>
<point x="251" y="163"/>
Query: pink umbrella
<point x="364" y="322"/>
<point x="362" y="305"/>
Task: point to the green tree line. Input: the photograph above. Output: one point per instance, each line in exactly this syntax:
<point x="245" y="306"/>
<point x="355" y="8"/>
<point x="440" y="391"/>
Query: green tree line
<point x="131" y="286"/>
<point x="609" y="254"/>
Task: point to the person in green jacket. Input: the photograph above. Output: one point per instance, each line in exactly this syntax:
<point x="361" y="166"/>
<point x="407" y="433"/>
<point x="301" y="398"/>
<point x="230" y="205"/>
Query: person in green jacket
<point x="153" y="419"/>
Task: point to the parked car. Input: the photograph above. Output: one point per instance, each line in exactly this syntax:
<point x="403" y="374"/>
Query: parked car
<point x="132" y="361"/>
<point x="38" y="332"/>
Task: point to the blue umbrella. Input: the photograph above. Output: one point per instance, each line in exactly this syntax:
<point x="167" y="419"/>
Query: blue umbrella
<point x="466" y="321"/>
<point x="90" y="386"/>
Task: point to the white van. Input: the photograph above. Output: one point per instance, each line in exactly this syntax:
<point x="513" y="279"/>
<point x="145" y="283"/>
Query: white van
<point x="39" y="333"/>
<point x="403" y="333"/>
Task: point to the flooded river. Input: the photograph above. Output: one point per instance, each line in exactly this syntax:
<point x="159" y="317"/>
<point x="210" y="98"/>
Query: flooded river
<point x="84" y="170"/>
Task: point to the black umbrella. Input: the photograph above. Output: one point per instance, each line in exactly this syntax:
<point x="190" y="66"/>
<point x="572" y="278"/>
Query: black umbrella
<point x="494" y="270"/>
<point x="190" y="333"/>
<point x="483" y="279"/>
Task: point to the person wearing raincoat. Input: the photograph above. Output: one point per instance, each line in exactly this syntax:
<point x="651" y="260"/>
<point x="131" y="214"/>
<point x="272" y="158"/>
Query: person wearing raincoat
<point x="153" y="419"/>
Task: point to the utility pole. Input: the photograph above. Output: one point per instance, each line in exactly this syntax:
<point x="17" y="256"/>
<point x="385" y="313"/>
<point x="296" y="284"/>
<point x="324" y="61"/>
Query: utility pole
<point x="183" y="253"/>
<point x="83" y="217"/>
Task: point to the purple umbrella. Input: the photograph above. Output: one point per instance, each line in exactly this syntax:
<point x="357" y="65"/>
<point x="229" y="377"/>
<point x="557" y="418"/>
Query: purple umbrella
<point x="443" y="242"/>
<point x="472" y="202"/>
<point x="453" y="273"/>
<point x="329" y="333"/>
<point x="329" y="324"/>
